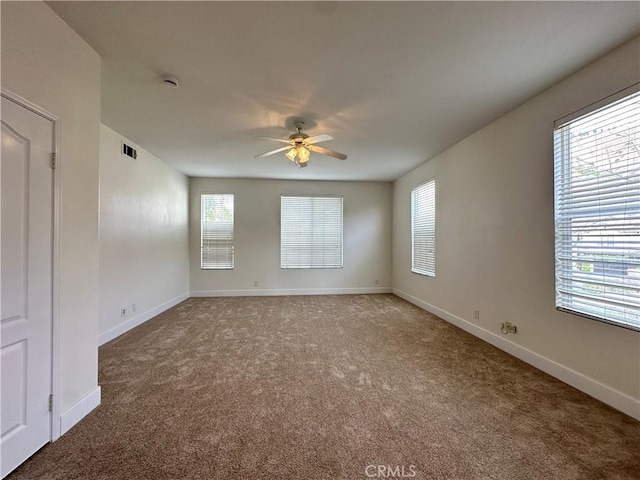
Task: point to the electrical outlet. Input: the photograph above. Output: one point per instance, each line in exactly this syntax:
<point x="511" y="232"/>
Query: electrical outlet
<point x="508" y="327"/>
<point x="123" y="312"/>
<point x="476" y="314"/>
<point x="255" y="283"/>
<point x="377" y="282"/>
<point x="134" y="307"/>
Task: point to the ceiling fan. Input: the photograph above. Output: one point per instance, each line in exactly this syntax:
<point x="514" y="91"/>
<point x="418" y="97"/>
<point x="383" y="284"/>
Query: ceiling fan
<point x="300" y="145"/>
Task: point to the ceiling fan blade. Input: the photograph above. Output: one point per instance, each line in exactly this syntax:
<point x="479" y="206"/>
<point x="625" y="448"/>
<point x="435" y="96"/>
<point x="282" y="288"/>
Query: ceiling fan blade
<point x="323" y="137"/>
<point x="276" y="139"/>
<point x="326" y="151"/>
<point x="277" y="150"/>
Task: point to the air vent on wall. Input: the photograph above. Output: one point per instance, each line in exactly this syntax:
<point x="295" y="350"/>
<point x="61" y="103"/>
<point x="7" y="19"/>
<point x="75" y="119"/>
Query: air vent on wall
<point x="129" y="151"/>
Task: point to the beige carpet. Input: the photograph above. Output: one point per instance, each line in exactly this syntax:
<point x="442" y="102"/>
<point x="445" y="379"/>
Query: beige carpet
<point x="330" y="387"/>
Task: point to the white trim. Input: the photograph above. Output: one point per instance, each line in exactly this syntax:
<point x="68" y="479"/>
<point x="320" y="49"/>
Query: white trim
<point x="616" y="399"/>
<point x="55" y="250"/>
<point x="55" y="334"/>
<point x="290" y="292"/>
<point x="140" y="319"/>
<point x="79" y="410"/>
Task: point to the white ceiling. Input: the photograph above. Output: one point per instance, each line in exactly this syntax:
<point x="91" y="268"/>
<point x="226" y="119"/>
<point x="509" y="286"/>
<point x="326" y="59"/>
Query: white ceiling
<point x="394" y="83"/>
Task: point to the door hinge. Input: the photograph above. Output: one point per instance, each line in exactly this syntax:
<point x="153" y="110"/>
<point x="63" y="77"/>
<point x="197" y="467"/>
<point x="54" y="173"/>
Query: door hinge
<point x="51" y="403"/>
<point x="53" y="160"/>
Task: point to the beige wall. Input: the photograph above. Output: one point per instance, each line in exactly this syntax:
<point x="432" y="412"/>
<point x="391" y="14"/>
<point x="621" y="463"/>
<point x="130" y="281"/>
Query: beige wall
<point x="144" y="236"/>
<point x="367" y="239"/>
<point x="495" y="239"/>
<point x="46" y="63"/>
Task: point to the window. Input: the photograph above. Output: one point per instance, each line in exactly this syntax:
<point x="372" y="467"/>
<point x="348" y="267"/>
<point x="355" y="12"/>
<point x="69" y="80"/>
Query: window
<point x="216" y="228"/>
<point x="597" y="211"/>
<point x="423" y="229"/>
<point x="311" y="232"/>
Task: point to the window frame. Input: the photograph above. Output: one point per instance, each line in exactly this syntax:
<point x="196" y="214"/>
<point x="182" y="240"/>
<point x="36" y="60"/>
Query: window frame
<point x="567" y="280"/>
<point x="230" y="240"/>
<point x="287" y="258"/>
<point x="424" y="262"/>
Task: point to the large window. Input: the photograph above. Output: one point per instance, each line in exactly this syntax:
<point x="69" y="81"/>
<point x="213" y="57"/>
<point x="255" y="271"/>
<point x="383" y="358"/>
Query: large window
<point x="310" y="232"/>
<point x="597" y="211"/>
<point x="423" y="229"/>
<point x="216" y="227"/>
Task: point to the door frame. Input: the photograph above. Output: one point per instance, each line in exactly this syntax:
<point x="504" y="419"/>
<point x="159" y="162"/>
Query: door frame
<point x="55" y="253"/>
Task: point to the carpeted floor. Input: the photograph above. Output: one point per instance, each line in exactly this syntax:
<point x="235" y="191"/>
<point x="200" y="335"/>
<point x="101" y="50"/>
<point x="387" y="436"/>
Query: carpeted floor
<point x="330" y="387"/>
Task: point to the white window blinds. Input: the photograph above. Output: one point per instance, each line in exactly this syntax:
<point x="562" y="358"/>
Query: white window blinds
<point x="597" y="212"/>
<point x="311" y="232"/>
<point x="216" y="227"/>
<point x="423" y="229"/>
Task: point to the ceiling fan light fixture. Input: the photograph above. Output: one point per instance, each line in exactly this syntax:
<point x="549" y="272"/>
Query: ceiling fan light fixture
<point x="291" y="154"/>
<point x="303" y="154"/>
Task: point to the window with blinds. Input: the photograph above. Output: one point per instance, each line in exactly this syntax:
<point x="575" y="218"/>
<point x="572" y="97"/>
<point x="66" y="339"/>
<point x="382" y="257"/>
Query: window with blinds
<point x="423" y="229"/>
<point x="216" y="227"/>
<point x="597" y="211"/>
<point x="310" y="231"/>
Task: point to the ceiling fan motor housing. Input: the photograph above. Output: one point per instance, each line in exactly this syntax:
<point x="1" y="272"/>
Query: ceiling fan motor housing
<point x="298" y="138"/>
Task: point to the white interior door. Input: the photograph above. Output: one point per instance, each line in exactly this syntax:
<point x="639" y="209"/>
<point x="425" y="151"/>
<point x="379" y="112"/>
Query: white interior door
<point x="26" y="281"/>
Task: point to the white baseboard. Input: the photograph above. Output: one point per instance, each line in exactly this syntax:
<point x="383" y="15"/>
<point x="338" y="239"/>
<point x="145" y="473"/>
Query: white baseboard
<point x="140" y="319"/>
<point x="618" y="400"/>
<point x="81" y="409"/>
<point x="290" y="291"/>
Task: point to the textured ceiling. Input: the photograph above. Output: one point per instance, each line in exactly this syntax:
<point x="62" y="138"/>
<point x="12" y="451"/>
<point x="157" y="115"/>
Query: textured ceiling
<point x="394" y="83"/>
